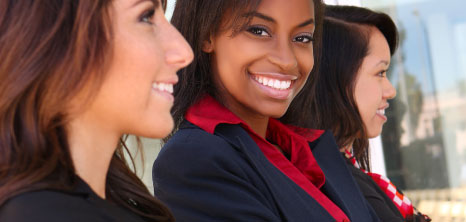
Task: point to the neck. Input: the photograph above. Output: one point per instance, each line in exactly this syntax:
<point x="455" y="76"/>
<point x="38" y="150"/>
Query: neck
<point x="92" y="148"/>
<point x="349" y="147"/>
<point x="259" y="126"/>
<point x="256" y="122"/>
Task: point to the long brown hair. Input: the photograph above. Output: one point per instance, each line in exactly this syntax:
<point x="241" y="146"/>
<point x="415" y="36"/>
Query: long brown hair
<point x="345" y="45"/>
<point x="49" y="51"/>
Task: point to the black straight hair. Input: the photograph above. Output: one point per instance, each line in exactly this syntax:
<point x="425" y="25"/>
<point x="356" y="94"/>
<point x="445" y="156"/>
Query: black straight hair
<point x="364" y="16"/>
<point x="200" y="19"/>
<point x="345" y="44"/>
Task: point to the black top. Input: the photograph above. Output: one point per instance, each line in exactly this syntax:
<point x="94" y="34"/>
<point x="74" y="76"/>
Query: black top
<point x="81" y="204"/>
<point x="380" y="202"/>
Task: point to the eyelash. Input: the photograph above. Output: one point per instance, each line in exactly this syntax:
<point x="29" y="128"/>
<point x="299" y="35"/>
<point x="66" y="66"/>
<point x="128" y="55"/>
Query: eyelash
<point x="309" y="38"/>
<point x="148" y="16"/>
<point x="382" y="73"/>
<point x="259" y="31"/>
<point x="255" y="29"/>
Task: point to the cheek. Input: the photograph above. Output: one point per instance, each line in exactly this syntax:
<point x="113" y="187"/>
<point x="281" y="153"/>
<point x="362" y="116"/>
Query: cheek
<point x="133" y="71"/>
<point x="365" y="100"/>
<point x="233" y="56"/>
<point x="147" y="114"/>
<point x="368" y="99"/>
<point x="305" y="60"/>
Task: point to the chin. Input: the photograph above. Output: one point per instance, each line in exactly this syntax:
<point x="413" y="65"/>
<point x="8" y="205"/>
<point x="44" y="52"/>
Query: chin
<point x="275" y="115"/>
<point x="274" y="111"/>
<point x="373" y="134"/>
<point x="158" y="130"/>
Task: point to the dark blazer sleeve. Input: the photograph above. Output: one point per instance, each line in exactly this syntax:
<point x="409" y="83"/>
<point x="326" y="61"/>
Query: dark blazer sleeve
<point x="57" y="206"/>
<point x="46" y="206"/>
<point x="20" y="209"/>
<point x="203" y="178"/>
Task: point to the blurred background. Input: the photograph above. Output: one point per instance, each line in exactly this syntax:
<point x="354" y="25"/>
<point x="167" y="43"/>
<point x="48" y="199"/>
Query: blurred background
<point x="424" y="141"/>
<point x="423" y="145"/>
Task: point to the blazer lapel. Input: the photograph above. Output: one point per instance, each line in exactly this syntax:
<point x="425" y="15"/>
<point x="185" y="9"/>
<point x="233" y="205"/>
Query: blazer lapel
<point x="339" y="186"/>
<point x="292" y="200"/>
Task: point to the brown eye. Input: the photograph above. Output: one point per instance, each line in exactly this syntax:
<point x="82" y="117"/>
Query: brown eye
<point x="147" y="16"/>
<point x="382" y="73"/>
<point x="304" y="39"/>
<point x="259" y="31"/>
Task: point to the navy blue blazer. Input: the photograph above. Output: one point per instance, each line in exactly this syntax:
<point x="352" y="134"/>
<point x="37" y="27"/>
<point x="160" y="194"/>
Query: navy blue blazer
<point x="226" y="177"/>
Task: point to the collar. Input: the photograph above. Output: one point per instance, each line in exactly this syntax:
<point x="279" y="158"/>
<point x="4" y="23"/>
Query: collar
<point x="208" y="113"/>
<point x="302" y="168"/>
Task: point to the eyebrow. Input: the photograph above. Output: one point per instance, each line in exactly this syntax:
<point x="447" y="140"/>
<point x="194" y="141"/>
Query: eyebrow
<point x="156" y="2"/>
<point x="385" y="62"/>
<point x="270" y="19"/>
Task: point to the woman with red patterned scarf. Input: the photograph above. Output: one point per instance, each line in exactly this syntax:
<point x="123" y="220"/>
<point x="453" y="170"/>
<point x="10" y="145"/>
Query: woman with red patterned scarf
<point x="352" y="93"/>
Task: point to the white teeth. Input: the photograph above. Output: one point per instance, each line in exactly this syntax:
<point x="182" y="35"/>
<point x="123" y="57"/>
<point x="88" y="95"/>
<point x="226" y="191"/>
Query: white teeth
<point x="381" y="111"/>
<point x="260" y="80"/>
<point x="164" y="87"/>
<point x="270" y="83"/>
<point x="284" y="85"/>
<point x="273" y="83"/>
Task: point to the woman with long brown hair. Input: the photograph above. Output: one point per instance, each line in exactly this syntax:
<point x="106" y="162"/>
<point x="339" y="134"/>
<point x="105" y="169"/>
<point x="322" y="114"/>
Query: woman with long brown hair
<point x="352" y="92"/>
<point x="75" y="76"/>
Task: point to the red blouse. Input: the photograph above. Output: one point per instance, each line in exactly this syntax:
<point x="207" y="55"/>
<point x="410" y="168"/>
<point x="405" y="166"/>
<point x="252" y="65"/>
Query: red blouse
<point x="302" y="168"/>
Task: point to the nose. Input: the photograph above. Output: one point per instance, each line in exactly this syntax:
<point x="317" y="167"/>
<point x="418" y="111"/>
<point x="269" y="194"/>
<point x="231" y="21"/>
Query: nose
<point x="178" y="53"/>
<point x="283" y="56"/>
<point x="389" y="91"/>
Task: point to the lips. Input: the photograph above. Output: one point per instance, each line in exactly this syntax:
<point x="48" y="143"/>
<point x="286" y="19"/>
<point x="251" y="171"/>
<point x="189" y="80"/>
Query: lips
<point x="381" y="112"/>
<point x="163" y="87"/>
<point x="274" y="85"/>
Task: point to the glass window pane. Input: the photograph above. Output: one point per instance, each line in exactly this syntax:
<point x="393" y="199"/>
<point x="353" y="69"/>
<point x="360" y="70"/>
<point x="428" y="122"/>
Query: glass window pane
<point x="425" y="138"/>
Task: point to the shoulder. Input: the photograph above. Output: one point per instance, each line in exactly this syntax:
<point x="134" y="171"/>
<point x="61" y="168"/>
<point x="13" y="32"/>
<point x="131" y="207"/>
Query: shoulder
<point x="44" y="205"/>
<point x="379" y="201"/>
<point x="368" y="187"/>
<point x="193" y="141"/>
<point x="365" y="182"/>
<point x="195" y="151"/>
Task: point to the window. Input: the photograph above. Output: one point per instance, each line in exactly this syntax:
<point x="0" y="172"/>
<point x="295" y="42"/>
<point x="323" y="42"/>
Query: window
<point x="424" y="140"/>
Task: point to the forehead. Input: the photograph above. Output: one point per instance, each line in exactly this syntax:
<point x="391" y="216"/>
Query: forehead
<point x="292" y="9"/>
<point x="378" y="45"/>
<point x="127" y="4"/>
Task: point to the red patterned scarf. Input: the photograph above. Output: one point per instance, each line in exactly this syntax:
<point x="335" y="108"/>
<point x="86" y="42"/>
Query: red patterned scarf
<point x="401" y="202"/>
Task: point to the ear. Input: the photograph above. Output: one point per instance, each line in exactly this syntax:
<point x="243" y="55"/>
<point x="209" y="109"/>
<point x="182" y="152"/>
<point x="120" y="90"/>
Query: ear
<point x="208" y="45"/>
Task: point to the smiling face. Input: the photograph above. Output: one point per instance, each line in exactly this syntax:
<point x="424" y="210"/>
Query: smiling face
<point x="259" y="70"/>
<point x="136" y="95"/>
<point x="373" y="89"/>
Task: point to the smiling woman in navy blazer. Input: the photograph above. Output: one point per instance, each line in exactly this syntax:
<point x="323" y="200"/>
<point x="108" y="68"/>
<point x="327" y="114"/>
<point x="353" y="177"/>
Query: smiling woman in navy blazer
<point x="237" y="154"/>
